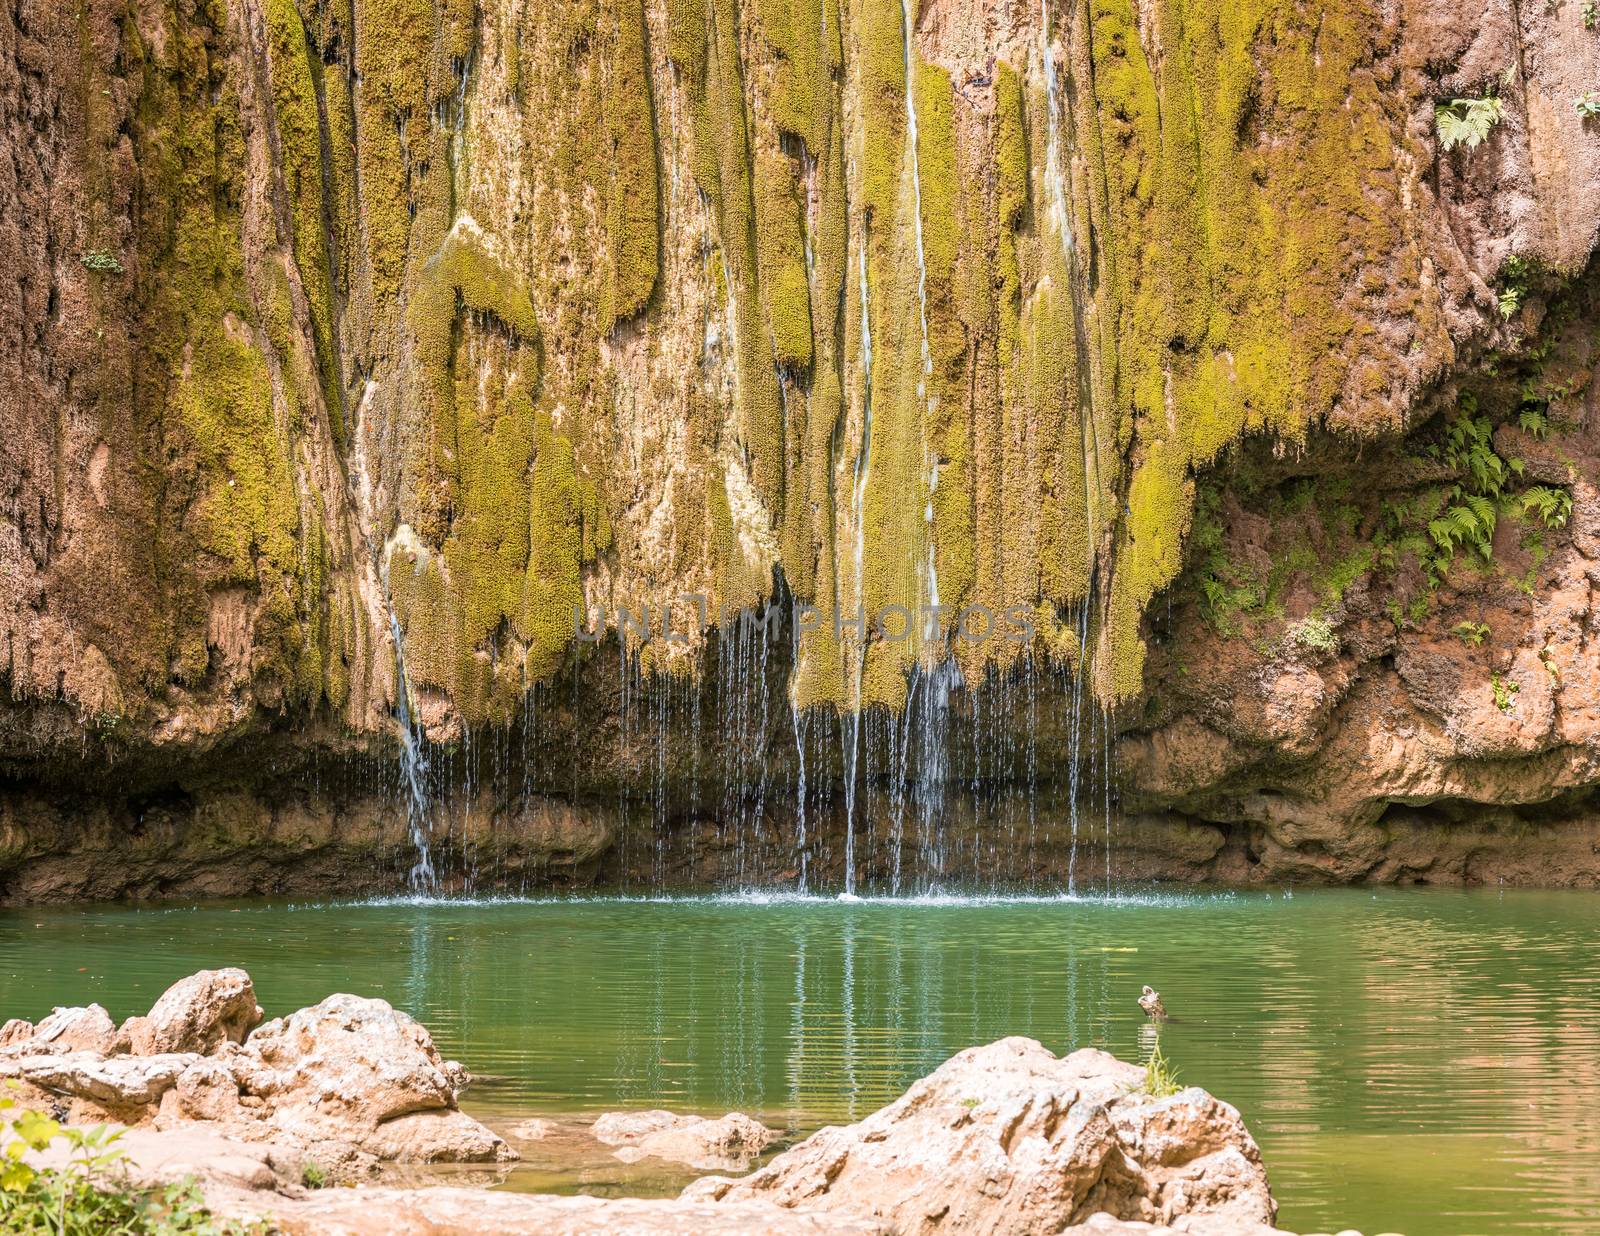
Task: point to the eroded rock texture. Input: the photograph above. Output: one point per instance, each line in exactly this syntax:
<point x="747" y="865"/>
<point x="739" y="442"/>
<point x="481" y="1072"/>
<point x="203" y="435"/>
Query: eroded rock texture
<point x="345" y="1084"/>
<point x="351" y="327"/>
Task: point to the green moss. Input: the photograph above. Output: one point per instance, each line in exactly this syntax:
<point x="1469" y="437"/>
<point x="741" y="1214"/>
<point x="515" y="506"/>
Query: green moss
<point x="785" y="292"/>
<point x="394" y="38"/>
<point x="794" y="32"/>
<point x="554" y="583"/>
<point x="947" y="430"/>
<point x="300" y="143"/>
<point x="1011" y="193"/>
<point x="633" y="201"/>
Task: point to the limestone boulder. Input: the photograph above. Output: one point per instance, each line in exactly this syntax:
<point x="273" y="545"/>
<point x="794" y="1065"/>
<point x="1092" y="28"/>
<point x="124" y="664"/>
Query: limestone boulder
<point x="118" y="1083"/>
<point x="197" y="1014"/>
<point x="64" y="1030"/>
<point x="1011" y="1138"/>
<point x="360" y="1071"/>
<point x="727" y="1143"/>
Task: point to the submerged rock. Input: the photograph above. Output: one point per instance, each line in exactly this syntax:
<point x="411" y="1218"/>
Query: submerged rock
<point x="1011" y="1138"/>
<point x="727" y="1143"/>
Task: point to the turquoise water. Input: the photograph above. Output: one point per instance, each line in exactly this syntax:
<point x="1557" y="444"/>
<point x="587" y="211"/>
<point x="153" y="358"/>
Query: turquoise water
<point x="1423" y="1061"/>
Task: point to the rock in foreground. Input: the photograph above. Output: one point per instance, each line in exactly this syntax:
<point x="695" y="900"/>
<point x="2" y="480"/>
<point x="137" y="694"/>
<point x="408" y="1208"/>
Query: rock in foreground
<point x="1011" y="1138"/>
<point x="346" y="1083"/>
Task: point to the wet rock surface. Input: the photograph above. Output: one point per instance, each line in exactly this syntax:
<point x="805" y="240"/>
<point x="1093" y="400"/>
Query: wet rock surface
<point x="727" y="1143"/>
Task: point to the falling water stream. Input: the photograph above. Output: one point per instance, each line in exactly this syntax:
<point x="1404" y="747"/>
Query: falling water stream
<point x="413" y="760"/>
<point x="919" y="768"/>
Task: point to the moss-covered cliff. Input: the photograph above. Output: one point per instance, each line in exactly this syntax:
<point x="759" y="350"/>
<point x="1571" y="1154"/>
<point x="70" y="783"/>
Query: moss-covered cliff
<point x="476" y="313"/>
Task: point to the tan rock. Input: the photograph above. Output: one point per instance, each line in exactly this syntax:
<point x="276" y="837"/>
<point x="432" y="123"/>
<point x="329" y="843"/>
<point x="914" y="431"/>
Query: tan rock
<point x="1010" y="1138"/>
<point x="118" y="1082"/>
<point x="727" y="1143"/>
<point x="198" y="1014"/>
<point x="15" y="1031"/>
<point x="67" y="1030"/>
<point x="470" y="1212"/>
<point x="534" y="1130"/>
<point x="361" y="1071"/>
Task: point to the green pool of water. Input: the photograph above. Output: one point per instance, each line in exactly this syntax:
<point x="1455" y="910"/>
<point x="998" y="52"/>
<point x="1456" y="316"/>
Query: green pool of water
<point x="1422" y="1061"/>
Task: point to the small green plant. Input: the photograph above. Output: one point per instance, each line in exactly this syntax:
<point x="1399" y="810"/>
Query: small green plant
<point x="1505" y="691"/>
<point x="1534" y="421"/>
<point x="1466" y="122"/>
<point x="1552" y="504"/>
<point x="100" y="260"/>
<point x="80" y="1199"/>
<point x="1509" y="300"/>
<point x="1160" y="1078"/>
<point x="1548" y="660"/>
<point x="1587" y="105"/>
<point x="1591" y="14"/>
<point x="1315" y="633"/>
<point x="1472" y="634"/>
<point x="312" y="1176"/>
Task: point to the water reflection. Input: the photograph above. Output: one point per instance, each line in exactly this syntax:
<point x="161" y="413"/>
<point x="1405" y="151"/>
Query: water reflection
<point x="1423" y="1061"/>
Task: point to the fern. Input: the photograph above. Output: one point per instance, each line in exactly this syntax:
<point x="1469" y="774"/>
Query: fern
<point x="1472" y="634"/>
<point x="1550" y="503"/>
<point x="1534" y="421"/>
<point x="1466" y="122"/>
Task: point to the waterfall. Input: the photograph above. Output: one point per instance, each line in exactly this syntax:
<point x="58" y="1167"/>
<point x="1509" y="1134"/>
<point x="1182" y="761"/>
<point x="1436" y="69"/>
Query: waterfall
<point x="852" y="751"/>
<point x="413" y="759"/>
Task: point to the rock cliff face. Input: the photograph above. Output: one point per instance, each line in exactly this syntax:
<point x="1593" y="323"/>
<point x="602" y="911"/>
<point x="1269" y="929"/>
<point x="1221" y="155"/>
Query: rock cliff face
<point x="362" y="347"/>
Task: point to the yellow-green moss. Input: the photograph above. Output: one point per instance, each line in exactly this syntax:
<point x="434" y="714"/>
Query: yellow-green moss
<point x="1011" y="193"/>
<point x="633" y="202"/>
<point x="799" y="102"/>
<point x="474" y="498"/>
<point x="394" y="42"/>
<point x="300" y="145"/>
<point x="785" y="292"/>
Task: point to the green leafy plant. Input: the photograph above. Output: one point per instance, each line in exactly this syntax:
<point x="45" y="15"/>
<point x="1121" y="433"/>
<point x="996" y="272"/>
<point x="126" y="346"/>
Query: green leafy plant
<point x="1505" y="691"/>
<point x="1160" y="1078"/>
<point x="81" y="1199"/>
<point x="1471" y="633"/>
<point x="1591" y="14"/>
<point x="1315" y="633"/>
<point x="100" y="260"/>
<point x="1534" y="420"/>
<point x="312" y="1176"/>
<point x="1587" y="105"/>
<point x="1552" y="504"/>
<point x="1509" y="301"/>
<point x="1467" y="122"/>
